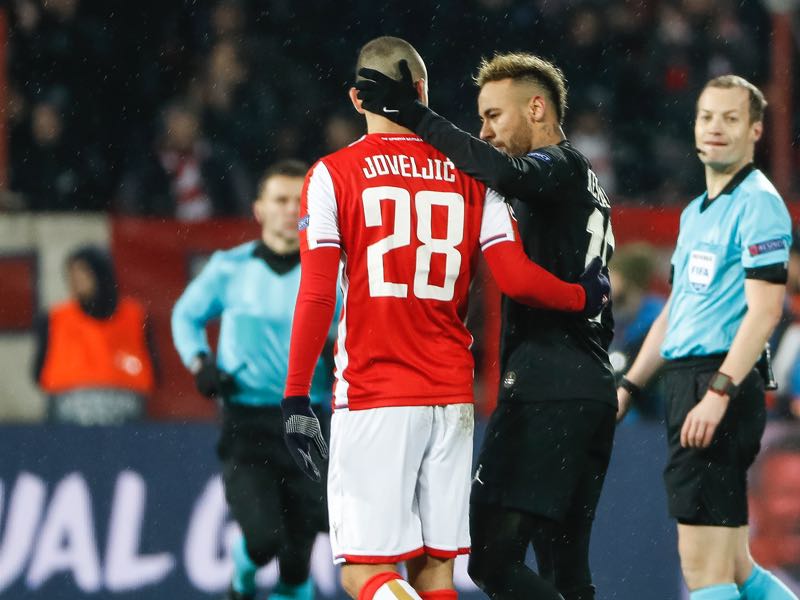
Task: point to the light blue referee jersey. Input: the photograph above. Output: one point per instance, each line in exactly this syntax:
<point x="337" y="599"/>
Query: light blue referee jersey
<point x="256" y="306"/>
<point x="746" y="227"/>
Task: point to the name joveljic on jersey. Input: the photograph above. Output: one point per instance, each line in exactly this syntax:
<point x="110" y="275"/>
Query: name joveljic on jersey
<point x="406" y="166"/>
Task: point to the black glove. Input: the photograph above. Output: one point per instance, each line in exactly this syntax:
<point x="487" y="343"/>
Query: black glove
<point x="300" y="429"/>
<point x="210" y="380"/>
<point x="396" y="100"/>
<point x="596" y="286"/>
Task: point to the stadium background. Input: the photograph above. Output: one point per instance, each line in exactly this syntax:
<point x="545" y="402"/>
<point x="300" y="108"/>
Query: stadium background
<point x="87" y="88"/>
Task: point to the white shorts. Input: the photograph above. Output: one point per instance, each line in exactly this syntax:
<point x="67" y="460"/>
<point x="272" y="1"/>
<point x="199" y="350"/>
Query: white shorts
<point x="399" y="483"/>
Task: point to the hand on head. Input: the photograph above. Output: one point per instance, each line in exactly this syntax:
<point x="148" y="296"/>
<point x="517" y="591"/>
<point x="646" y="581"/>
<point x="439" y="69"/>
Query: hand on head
<point x="384" y="96"/>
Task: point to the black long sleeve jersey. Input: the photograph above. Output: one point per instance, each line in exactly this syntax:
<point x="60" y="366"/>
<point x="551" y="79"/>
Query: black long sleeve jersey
<point x="564" y="221"/>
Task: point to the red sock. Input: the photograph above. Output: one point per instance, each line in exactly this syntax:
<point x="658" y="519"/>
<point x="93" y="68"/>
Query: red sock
<point x="439" y="595"/>
<point x="375" y="582"/>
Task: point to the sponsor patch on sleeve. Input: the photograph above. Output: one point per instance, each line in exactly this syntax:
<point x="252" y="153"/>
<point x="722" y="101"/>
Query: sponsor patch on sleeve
<point x="302" y="223"/>
<point x="766" y="247"/>
<point x="541" y="156"/>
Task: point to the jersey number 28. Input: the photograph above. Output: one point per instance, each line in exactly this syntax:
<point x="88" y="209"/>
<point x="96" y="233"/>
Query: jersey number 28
<point x="424" y="202"/>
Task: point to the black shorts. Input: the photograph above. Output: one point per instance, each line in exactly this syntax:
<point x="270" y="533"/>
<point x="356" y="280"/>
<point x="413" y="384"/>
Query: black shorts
<point x="546" y="458"/>
<point x="261" y="480"/>
<point x="708" y="486"/>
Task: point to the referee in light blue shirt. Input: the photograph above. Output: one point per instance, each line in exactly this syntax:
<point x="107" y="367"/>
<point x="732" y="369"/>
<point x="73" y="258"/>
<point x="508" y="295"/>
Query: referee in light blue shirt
<point x="252" y="288"/>
<point x="729" y="274"/>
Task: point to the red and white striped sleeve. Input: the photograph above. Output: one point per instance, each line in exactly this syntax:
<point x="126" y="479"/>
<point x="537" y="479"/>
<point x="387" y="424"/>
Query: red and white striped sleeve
<point x="497" y="225"/>
<point x="319" y="264"/>
<point x="319" y="223"/>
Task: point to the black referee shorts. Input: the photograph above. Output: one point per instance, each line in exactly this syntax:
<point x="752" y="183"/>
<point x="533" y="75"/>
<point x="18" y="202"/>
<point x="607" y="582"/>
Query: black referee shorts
<point x="262" y="483"/>
<point x="546" y="458"/>
<point x="708" y="486"/>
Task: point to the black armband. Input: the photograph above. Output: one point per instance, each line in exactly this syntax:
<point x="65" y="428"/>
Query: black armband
<point x="777" y="273"/>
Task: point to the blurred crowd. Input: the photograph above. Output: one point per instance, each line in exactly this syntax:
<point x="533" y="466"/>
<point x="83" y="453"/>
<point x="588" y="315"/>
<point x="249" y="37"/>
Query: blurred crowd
<point x="175" y="108"/>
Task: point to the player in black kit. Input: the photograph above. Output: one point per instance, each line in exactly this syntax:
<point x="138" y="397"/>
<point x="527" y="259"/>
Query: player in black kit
<point x="548" y="444"/>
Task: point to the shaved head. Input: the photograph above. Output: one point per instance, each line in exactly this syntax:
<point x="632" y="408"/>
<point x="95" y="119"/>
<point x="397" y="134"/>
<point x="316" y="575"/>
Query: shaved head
<point x="383" y="54"/>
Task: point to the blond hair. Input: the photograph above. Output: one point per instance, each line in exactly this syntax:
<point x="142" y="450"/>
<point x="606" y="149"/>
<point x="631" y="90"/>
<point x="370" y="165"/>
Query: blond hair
<point x="521" y="66"/>
<point x="758" y="103"/>
<point x="383" y="54"/>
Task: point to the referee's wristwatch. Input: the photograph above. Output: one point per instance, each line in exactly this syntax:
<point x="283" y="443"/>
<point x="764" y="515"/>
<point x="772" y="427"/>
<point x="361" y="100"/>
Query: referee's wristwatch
<point x="723" y="385"/>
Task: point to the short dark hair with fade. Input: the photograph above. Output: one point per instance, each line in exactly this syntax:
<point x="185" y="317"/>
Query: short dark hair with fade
<point x="522" y="66"/>
<point x="758" y="103"/>
<point x="383" y="53"/>
<point x="288" y="167"/>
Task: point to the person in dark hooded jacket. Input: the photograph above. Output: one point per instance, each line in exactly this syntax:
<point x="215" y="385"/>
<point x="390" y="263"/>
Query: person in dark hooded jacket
<point x="93" y="357"/>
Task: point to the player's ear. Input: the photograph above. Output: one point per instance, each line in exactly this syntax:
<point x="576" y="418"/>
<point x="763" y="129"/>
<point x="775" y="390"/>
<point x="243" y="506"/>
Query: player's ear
<point x="356" y="102"/>
<point x="257" y="212"/>
<point x="422" y="91"/>
<point x="756" y="130"/>
<point x="536" y="108"/>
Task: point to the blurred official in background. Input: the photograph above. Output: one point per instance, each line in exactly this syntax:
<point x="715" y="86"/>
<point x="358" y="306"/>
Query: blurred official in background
<point x="93" y="358"/>
<point x="252" y="288"/>
<point x="729" y="273"/>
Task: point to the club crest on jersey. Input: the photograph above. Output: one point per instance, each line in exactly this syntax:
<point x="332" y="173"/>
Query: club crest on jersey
<point x="510" y="379"/>
<point x="302" y="224"/>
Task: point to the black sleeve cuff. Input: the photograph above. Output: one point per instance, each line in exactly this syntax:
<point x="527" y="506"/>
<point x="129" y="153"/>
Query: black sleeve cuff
<point x="777" y="273"/>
